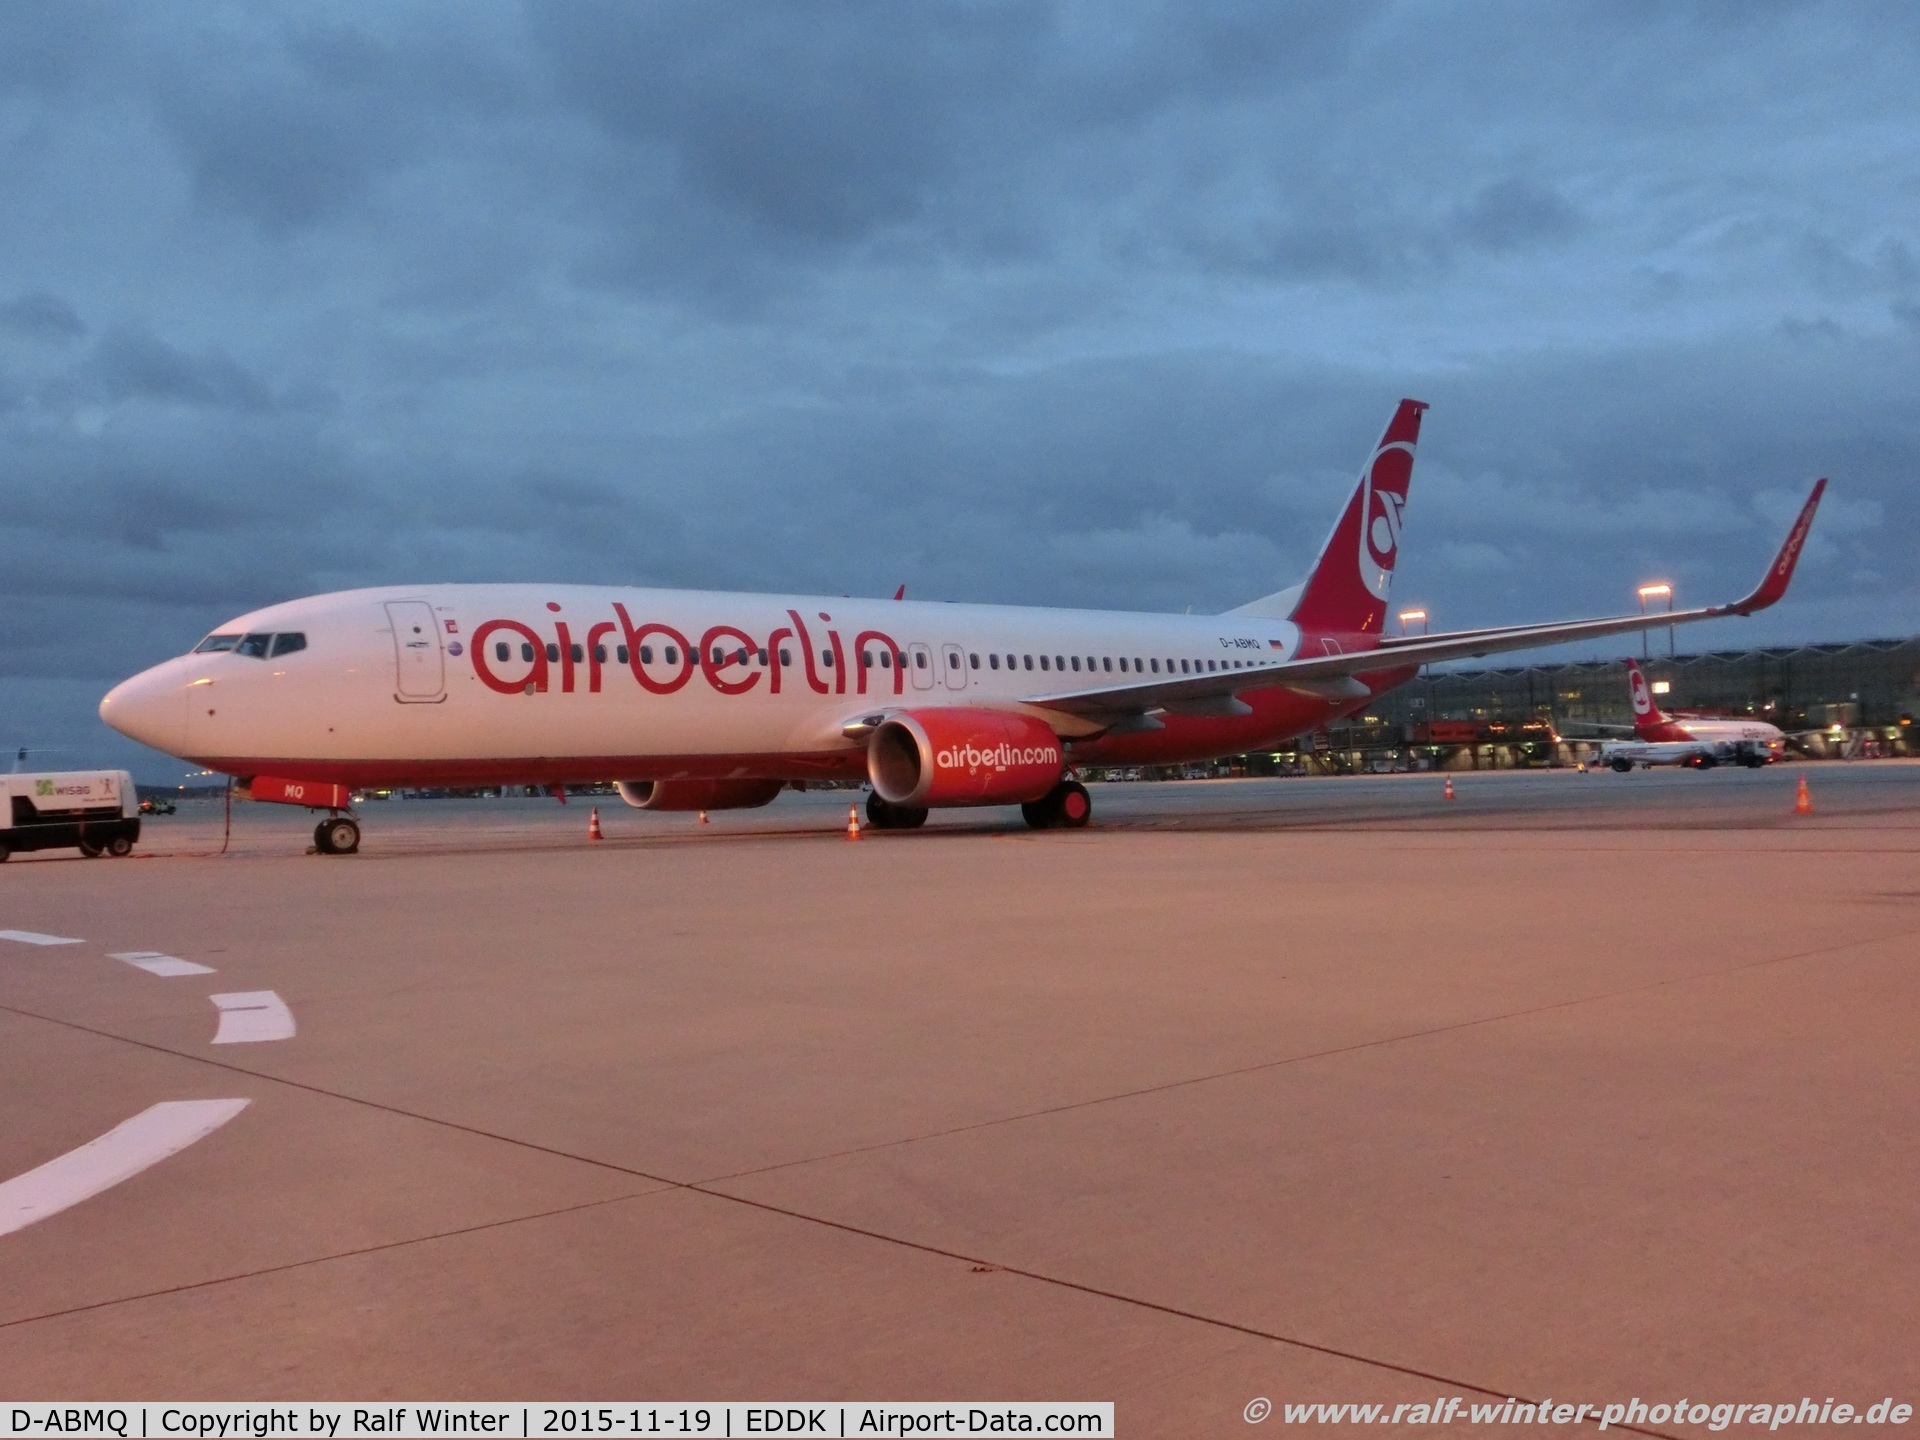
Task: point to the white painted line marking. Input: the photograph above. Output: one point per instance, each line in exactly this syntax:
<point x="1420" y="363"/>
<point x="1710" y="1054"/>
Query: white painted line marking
<point x="156" y="963"/>
<point x="29" y="937"/>
<point x="249" y="1015"/>
<point x="120" y="1154"/>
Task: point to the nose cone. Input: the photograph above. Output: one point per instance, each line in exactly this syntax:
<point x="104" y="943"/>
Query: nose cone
<point x="151" y="707"/>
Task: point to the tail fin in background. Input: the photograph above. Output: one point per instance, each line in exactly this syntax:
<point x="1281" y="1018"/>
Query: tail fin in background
<point x="1346" y="592"/>
<point x="1650" y="722"/>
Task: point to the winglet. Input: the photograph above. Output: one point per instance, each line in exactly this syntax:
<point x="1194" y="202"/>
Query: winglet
<point x="901" y="593"/>
<point x="1774" y="583"/>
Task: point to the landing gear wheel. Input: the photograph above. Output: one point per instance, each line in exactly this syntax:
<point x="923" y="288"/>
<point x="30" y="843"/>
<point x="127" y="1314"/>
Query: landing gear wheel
<point x="1066" y="805"/>
<point x="338" y="836"/>
<point x="1072" y="804"/>
<point x="91" y="850"/>
<point x="1622" y="766"/>
<point x="119" y="847"/>
<point x="885" y="815"/>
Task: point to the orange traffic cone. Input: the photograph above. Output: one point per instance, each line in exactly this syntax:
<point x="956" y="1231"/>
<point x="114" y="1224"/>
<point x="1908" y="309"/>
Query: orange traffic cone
<point x="1449" y="787"/>
<point x="853" y="823"/>
<point x="703" y="817"/>
<point x="1802" y="801"/>
<point x="593" y="824"/>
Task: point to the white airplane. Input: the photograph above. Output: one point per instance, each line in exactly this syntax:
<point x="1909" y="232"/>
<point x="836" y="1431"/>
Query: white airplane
<point x="1660" y="739"/>
<point x="706" y="700"/>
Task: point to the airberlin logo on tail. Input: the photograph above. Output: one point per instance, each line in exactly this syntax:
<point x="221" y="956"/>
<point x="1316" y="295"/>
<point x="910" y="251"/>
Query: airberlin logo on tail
<point x="1642" y="700"/>
<point x="1383" y="497"/>
<point x="1000" y="756"/>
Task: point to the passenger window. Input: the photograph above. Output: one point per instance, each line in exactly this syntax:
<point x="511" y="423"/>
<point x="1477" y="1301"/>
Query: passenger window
<point x="287" y="644"/>
<point x="216" y="642"/>
<point x="866" y="660"/>
<point x="976" y="661"/>
<point x="718" y="656"/>
<point x="646" y="654"/>
<point x="953" y="661"/>
<point x="761" y="656"/>
<point x="1156" y="667"/>
<point x="673" y="655"/>
<point x="1059" y="662"/>
<point x="826" y="659"/>
<point x="786" y="656"/>
<point x="578" y="653"/>
<point x="600" y="654"/>
<point x="620" y="654"/>
<point x="500" y="650"/>
<point x="1076" y="662"/>
<point x="253" y="646"/>
<point x="993" y="661"/>
<point x="526" y="651"/>
<point x="1136" y="665"/>
<point x="1030" y="662"/>
<point x="1043" y="662"/>
<point x="553" y="653"/>
<point x="886" y="660"/>
<point x="1106" y="663"/>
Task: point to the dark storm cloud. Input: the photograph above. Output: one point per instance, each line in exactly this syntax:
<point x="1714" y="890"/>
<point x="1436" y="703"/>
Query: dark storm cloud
<point x="1076" y="303"/>
<point x="41" y="316"/>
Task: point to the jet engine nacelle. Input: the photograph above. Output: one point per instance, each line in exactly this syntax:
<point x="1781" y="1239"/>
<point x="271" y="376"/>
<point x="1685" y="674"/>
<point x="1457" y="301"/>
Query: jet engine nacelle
<point x="919" y="759"/>
<point x="699" y="794"/>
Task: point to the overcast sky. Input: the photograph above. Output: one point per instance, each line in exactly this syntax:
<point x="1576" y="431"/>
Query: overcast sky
<point x="1094" y="304"/>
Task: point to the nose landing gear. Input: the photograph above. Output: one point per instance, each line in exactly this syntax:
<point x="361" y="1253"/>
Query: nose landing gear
<point x="337" y="835"/>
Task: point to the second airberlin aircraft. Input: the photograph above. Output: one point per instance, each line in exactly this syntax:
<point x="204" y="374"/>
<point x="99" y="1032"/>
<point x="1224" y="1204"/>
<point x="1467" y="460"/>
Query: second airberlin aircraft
<point x="703" y="700"/>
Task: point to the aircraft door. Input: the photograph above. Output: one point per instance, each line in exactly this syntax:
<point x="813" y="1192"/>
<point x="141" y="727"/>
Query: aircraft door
<point x="921" y="659"/>
<point x="420" y="667"/>
<point x="953" y="667"/>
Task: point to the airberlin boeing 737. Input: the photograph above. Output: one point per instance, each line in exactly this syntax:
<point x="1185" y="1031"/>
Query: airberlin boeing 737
<point x="702" y="700"/>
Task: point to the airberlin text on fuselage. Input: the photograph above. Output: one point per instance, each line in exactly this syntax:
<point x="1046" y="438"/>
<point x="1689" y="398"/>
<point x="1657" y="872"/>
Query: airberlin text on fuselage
<point x="727" y="657"/>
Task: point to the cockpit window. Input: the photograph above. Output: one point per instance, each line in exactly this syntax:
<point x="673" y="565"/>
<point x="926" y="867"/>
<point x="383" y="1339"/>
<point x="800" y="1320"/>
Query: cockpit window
<point x="288" y="643"/>
<point x="216" y="642"/>
<point x="254" y="645"/>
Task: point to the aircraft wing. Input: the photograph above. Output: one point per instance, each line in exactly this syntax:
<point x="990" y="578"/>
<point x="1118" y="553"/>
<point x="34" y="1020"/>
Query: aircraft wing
<point x="1331" y="676"/>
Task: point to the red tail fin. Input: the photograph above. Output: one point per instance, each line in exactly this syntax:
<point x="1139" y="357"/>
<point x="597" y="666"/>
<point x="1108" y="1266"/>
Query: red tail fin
<point x="1650" y="722"/>
<point x="1347" y="591"/>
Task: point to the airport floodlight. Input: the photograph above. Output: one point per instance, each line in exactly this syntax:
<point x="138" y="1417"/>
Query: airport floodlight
<point x="1410" y="618"/>
<point x="1661" y="687"/>
<point x="1658" y="590"/>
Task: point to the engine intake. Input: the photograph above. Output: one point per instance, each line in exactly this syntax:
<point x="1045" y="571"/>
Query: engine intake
<point x="699" y="794"/>
<point x="927" y="758"/>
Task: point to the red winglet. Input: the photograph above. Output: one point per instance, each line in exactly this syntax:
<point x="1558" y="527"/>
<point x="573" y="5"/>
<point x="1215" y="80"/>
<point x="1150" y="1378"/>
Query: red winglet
<point x="1774" y="583"/>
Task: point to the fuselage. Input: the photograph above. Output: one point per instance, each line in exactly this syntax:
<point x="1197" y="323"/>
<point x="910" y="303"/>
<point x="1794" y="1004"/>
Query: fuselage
<point x="1671" y="741"/>
<point x="483" y="684"/>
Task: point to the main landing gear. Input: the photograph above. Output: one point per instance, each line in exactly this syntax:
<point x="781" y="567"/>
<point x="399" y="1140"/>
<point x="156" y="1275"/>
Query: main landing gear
<point x="884" y="815"/>
<point x="337" y="835"/>
<point x="1066" y="806"/>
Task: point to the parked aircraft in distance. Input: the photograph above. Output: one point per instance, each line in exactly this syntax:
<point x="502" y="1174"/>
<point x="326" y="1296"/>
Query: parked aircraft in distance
<point x="705" y="700"/>
<point x="1661" y="739"/>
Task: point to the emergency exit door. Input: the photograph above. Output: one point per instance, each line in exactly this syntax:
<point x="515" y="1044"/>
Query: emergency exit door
<point x="953" y="667"/>
<point x="921" y="660"/>
<point x="420" y="669"/>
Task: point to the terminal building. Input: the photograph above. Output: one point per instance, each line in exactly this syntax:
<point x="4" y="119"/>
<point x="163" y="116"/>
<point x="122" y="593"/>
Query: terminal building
<point x="1854" y="700"/>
